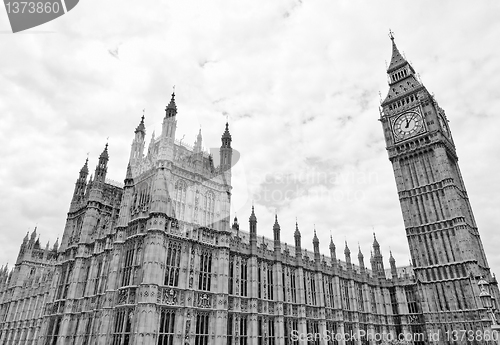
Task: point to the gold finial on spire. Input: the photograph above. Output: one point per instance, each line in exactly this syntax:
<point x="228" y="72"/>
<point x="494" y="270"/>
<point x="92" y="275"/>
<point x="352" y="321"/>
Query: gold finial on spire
<point x="391" y="34"/>
<point x="173" y="90"/>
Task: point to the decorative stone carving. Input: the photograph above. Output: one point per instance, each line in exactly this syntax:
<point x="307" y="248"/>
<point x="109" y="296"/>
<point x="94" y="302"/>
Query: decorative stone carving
<point x="204" y="301"/>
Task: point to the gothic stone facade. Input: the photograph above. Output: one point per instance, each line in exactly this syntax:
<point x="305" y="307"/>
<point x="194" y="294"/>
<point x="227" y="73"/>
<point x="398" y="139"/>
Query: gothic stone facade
<point x="156" y="260"/>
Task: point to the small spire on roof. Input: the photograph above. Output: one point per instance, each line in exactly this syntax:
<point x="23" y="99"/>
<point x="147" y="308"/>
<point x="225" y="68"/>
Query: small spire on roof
<point x="391" y="34"/>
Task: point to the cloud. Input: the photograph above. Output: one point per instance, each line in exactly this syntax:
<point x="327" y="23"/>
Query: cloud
<point x="299" y="82"/>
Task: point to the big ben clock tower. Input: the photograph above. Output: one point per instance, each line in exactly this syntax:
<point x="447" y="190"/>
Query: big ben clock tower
<point x="446" y="250"/>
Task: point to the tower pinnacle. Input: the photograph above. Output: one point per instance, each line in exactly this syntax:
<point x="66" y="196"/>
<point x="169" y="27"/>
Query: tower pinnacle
<point x="141" y="127"/>
<point x="226" y="137"/>
<point x="397" y="60"/>
<point x="171" y="109"/>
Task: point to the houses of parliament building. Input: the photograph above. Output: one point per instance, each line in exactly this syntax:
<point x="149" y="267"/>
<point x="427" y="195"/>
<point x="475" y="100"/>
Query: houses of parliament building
<point x="158" y="260"/>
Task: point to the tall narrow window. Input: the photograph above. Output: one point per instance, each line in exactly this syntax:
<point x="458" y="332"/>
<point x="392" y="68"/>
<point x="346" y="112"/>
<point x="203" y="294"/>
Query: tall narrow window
<point x="180" y="199"/>
<point x="270" y="283"/>
<point x="287" y="331"/>
<point x="205" y="276"/>
<point x="172" y="265"/>
<point x="373" y="300"/>
<point x="306" y="289"/>
<point x="74" y="329"/>
<point x="293" y="286"/>
<point x="131" y="262"/>
<point x="82" y="284"/>
<point x="167" y="324"/>
<point x="230" y="280"/>
<point x="260" y="330"/>
<point x="53" y="330"/>
<point x="201" y="335"/>
<point x="123" y="326"/>
<point x="270" y="332"/>
<point x="328" y="291"/>
<point x="295" y="329"/>
<point x="244" y="277"/>
<point x="359" y="292"/>
<point x="363" y="328"/>
<point x="259" y="280"/>
<point x="63" y="286"/>
<point x="331" y="327"/>
<point x="243" y="330"/>
<point x="127" y="266"/>
<point x="97" y="279"/>
<point x="284" y="284"/>
<point x="411" y="300"/>
<point x="313" y="289"/>
<point x="394" y="301"/>
<point x="209" y="209"/>
<point x="313" y="329"/>
<point x="230" y="322"/>
<point x="88" y="329"/>
<point x="344" y="291"/>
<point x="349" y="329"/>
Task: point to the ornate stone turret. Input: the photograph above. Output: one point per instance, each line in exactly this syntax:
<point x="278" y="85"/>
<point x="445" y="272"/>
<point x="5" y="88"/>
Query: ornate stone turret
<point x="129" y="181"/>
<point x="151" y="146"/>
<point x="137" y="150"/>
<point x="56" y="245"/>
<point x="89" y="186"/>
<point x="80" y="185"/>
<point x="102" y="167"/>
<point x="236" y="225"/>
<point x="361" y="260"/>
<point x="169" y="127"/>
<point x="276" y="233"/>
<point x="333" y="254"/>
<point x="394" y="272"/>
<point x="197" y="144"/>
<point x="33" y="237"/>
<point x="372" y="263"/>
<point x="296" y="235"/>
<point x="226" y="153"/>
<point x="317" y="256"/>
<point x="253" y="229"/>
<point x="125" y="206"/>
<point x="377" y="260"/>
<point x="171" y="109"/>
<point x="347" y="253"/>
<point x="170" y="122"/>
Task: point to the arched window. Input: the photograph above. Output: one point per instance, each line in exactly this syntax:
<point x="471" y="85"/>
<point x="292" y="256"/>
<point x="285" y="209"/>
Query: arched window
<point x="209" y="208"/>
<point x="180" y="199"/>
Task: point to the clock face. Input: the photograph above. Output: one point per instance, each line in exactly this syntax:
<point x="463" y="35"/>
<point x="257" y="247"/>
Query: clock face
<point x="408" y="125"/>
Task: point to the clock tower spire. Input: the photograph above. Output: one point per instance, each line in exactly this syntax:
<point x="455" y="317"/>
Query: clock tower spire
<point x="444" y="241"/>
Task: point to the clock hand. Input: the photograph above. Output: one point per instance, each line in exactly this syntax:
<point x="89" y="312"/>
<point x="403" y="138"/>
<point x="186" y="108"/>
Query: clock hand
<point x="408" y="121"/>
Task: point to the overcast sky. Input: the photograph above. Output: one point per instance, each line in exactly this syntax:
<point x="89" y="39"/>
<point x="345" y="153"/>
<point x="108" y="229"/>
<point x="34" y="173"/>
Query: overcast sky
<point x="299" y="82"/>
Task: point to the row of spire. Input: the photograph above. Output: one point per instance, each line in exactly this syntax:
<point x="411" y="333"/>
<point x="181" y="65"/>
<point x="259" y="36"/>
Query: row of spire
<point x="101" y="168"/>
<point x="376" y="258"/>
<point x="82" y="187"/>
<point x="33" y="241"/>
